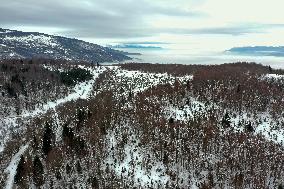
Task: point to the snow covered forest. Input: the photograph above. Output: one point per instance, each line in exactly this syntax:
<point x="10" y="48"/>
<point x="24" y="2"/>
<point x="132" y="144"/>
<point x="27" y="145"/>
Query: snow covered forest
<point x="76" y="125"/>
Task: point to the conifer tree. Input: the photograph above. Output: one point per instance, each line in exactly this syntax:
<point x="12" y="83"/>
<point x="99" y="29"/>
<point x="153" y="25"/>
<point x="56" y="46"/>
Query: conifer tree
<point x="226" y="120"/>
<point x="37" y="171"/>
<point x="68" y="169"/>
<point x="78" y="167"/>
<point x="249" y="127"/>
<point x="47" y="139"/>
<point x="20" y="170"/>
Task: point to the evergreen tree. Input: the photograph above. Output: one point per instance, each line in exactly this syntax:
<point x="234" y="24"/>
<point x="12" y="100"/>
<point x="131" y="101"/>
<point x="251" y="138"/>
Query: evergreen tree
<point x="94" y="182"/>
<point x="81" y="115"/>
<point x="238" y="88"/>
<point x="74" y="76"/>
<point x="47" y="139"/>
<point x="20" y="171"/>
<point x="187" y="102"/>
<point x="68" y="169"/>
<point x="37" y="171"/>
<point x="11" y="91"/>
<point x="35" y="142"/>
<point x="78" y="167"/>
<point x="78" y="144"/>
<point x="171" y="120"/>
<point x="249" y="127"/>
<point x="270" y="69"/>
<point x="166" y="158"/>
<point x="58" y="175"/>
<point x="226" y="120"/>
<point x="67" y="134"/>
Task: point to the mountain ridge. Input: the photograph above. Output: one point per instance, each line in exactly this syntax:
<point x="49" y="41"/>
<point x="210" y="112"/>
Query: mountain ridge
<point x="19" y="44"/>
<point x="276" y="51"/>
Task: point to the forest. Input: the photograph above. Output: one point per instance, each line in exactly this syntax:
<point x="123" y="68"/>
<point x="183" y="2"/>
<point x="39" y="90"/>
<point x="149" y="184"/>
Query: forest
<point x="134" y="125"/>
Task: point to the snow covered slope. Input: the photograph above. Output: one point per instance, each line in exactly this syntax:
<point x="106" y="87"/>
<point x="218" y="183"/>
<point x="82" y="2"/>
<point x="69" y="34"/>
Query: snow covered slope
<point x="17" y="44"/>
<point x="81" y="91"/>
<point x="143" y="129"/>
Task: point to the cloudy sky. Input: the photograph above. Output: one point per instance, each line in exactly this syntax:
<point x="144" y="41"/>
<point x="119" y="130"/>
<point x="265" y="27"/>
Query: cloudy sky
<point x="191" y="26"/>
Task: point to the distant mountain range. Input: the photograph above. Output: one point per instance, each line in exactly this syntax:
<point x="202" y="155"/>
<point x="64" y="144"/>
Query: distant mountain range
<point x="18" y="44"/>
<point x="259" y="51"/>
<point x="133" y="46"/>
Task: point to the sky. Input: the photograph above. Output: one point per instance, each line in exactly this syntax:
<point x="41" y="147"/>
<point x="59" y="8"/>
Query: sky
<point x="190" y="27"/>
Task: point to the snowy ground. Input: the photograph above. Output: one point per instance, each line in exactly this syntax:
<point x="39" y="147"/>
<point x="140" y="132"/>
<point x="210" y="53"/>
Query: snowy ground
<point x="141" y="81"/>
<point x="187" y="112"/>
<point x="140" y="166"/>
<point x="41" y="39"/>
<point x="272" y="77"/>
<point x="263" y="124"/>
<point x="12" y="168"/>
<point x="81" y="90"/>
<point x="132" y="166"/>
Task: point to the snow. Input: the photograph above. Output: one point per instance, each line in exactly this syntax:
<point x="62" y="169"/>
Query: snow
<point x="81" y="91"/>
<point x="49" y="51"/>
<point x="59" y="129"/>
<point x="191" y="111"/>
<point x="133" y="167"/>
<point x="139" y="164"/>
<point x="266" y="126"/>
<point x="270" y="77"/>
<point x="37" y="39"/>
<point x="51" y="68"/>
<point x="142" y="81"/>
<point x="12" y="168"/>
<point x="6" y="31"/>
<point x="271" y="134"/>
<point x="262" y="122"/>
<point x="9" y="123"/>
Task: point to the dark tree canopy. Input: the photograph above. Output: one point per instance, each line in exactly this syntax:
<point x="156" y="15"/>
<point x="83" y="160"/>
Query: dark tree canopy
<point x="47" y="139"/>
<point x="38" y="171"/>
<point x="20" y="170"/>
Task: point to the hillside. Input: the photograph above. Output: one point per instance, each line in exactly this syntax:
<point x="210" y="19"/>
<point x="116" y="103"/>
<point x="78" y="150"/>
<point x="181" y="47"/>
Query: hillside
<point x="17" y="44"/>
<point x="141" y="126"/>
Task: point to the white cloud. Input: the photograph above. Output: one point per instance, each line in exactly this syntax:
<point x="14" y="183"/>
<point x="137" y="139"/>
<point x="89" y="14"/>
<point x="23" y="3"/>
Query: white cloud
<point x="238" y="11"/>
